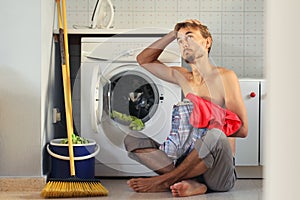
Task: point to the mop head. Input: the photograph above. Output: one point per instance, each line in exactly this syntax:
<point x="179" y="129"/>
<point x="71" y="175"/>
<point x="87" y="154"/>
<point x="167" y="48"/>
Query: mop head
<point x="73" y="188"/>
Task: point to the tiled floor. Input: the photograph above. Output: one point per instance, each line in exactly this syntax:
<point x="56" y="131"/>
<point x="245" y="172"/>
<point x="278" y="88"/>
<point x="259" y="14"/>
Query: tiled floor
<point x="118" y="190"/>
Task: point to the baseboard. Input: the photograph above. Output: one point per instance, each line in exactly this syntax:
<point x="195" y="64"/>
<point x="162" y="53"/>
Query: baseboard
<point x="22" y="184"/>
<point x="249" y="172"/>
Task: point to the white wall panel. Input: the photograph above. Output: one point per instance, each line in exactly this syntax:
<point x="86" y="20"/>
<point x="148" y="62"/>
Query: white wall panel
<point x="243" y="20"/>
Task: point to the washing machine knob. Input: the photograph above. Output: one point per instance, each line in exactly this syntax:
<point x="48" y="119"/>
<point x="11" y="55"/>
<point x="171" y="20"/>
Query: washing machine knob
<point x="252" y="94"/>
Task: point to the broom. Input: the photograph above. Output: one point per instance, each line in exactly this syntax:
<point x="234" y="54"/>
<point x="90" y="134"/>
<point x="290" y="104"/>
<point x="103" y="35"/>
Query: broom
<point x="71" y="187"/>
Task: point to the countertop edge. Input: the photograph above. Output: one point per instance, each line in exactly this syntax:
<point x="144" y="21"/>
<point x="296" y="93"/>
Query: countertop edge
<point x="113" y="31"/>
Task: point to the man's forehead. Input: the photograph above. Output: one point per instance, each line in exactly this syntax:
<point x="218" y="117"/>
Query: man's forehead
<point x="184" y="31"/>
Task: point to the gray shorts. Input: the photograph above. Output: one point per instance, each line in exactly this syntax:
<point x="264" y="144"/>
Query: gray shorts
<point x="213" y="148"/>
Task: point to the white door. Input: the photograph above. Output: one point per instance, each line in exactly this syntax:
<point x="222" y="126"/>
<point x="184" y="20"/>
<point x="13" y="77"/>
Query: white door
<point x="247" y="149"/>
<point x="263" y="96"/>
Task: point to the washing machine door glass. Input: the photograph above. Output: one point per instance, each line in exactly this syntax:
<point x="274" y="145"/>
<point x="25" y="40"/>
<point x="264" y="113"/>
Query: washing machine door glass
<point x="132" y="94"/>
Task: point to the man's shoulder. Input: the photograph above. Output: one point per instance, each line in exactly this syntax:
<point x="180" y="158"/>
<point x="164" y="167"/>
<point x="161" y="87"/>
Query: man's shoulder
<point x="227" y="72"/>
<point x="229" y="76"/>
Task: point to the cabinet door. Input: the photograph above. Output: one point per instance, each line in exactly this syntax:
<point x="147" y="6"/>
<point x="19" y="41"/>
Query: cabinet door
<point x="263" y="96"/>
<point x="247" y="149"/>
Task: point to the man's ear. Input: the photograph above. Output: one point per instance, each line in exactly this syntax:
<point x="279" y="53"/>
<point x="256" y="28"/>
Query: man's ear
<point x="208" y="42"/>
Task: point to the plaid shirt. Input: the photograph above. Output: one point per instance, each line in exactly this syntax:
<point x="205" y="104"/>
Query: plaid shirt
<point x="182" y="135"/>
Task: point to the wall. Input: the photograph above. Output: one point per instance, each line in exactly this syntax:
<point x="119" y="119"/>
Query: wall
<point x="27" y="80"/>
<point x="26" y="35"/>
<point x="282" y="133"/>
<point x="237" y="26"/>
<point x="48" y="78"/>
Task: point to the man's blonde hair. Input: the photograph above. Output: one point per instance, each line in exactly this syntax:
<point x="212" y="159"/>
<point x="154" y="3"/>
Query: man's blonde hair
<point x="193" y="23"/>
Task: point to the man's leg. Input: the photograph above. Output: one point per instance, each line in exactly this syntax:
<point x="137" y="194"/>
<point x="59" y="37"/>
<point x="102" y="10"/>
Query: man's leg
<point x="220" y="175"/>
<point x="155" y="160"/>
<point x="192" y="166"/>
<point x="200" y="161"/>
<point x="145" y="150"/>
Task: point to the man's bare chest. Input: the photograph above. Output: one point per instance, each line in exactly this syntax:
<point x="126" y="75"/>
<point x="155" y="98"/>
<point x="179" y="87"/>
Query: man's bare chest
<point x="213" y="92"/>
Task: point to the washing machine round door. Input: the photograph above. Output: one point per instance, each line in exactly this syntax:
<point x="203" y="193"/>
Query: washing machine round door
<point x="96" y="104"/>
<point x="130" y="90"/>
<point x="130" y="95"/>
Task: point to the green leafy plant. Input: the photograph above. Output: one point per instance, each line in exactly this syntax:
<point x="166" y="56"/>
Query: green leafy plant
<point x="75" y="140"/>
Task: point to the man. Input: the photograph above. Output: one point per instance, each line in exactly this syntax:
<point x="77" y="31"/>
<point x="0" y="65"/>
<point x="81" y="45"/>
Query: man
<point x="209" y="164"/>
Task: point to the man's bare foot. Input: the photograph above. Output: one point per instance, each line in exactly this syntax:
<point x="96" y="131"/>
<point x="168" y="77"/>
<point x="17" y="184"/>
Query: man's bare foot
<point x="188" y="188"/>
<point x="152" y="184"/>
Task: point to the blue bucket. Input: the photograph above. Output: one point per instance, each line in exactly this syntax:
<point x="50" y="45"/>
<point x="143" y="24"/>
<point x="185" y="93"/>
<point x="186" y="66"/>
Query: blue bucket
<point x="84" y="158"/>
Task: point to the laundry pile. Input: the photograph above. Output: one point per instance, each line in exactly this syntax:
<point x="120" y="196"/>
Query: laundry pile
<point x="134" y="123"/>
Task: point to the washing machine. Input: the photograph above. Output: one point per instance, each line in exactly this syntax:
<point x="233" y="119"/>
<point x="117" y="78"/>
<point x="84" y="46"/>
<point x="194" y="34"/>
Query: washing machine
<point x="118" y="97"/>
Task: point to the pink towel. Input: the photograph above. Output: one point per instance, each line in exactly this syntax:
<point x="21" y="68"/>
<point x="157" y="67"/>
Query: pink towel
<point x="209" y="115"/>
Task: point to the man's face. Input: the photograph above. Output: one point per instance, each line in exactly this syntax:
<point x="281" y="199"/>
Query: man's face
<point x="192" y="45"/>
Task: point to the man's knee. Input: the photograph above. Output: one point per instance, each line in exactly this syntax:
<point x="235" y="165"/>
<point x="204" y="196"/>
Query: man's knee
<point x="138" y="141"/>
<point x="132" y="143"/>
<point x="127" y="141"/>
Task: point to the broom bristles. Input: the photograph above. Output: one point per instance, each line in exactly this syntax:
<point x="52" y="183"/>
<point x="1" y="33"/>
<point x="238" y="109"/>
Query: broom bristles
<point x="64" y="189"/>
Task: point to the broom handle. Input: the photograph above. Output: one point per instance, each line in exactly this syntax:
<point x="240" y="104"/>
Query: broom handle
<point x="66" y="80"/>
<point x="59" y="14"/>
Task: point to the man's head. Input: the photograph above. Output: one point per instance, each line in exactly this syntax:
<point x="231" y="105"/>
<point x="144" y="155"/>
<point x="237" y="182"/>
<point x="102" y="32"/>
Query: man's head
<point x="195" y="31"/>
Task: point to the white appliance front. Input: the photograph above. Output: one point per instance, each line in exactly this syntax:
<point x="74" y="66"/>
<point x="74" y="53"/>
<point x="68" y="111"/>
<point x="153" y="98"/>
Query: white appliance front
<point x="110" y="80"/>
<point x="247" y="149"/>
